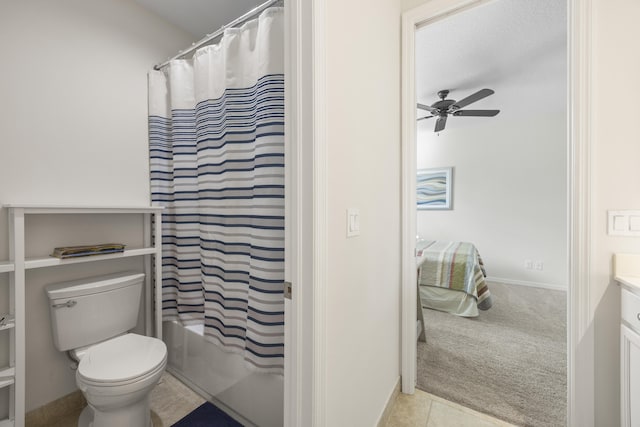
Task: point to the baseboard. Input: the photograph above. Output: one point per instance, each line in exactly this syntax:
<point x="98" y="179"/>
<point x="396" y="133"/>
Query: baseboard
<point x="552" y="286"/>
<point x="384" y="418"/>
<point x="59" y="408"/>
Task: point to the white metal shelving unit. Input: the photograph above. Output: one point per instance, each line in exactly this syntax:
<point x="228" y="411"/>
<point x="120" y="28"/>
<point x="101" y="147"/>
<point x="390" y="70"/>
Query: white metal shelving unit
<point x="6" y="267"/>
<point x="13" y="376"/>
<point x="7" y="373"/>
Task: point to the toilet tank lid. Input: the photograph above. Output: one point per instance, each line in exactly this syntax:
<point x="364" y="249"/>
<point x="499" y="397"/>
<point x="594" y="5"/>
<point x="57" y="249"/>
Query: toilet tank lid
<point x="92" y="285"/>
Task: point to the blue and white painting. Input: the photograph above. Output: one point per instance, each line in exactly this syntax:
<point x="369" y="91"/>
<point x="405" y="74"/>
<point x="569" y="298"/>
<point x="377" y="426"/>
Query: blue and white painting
<point x="434" y="188"/>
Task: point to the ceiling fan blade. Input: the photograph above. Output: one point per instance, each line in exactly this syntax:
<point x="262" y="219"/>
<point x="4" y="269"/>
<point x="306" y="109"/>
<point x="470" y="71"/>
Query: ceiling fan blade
<point x="440" y="123"/>
<point x="476" y="113"/>
<point x="482" y="93"/>
<point x="428" y="108"/>
<point x="425" y="117"/>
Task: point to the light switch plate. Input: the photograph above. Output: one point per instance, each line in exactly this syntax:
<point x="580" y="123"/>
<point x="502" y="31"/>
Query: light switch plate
<point x="353" y="222"/>
<point x="623" y="223"/>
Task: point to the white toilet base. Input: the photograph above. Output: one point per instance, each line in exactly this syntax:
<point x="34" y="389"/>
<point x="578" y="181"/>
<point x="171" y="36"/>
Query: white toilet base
<point x="135" y="415"/>
<point x="86" y="417"/>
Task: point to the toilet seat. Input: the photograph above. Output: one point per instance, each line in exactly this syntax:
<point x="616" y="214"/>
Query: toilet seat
<point x="122" y="360"/>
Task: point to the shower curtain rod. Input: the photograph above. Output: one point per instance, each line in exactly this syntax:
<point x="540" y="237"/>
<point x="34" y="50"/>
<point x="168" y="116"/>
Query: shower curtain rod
<point x="253" y="12"/>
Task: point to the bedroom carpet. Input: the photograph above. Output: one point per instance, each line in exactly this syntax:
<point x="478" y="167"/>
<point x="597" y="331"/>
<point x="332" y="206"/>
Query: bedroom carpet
<point x="509" y="362"/>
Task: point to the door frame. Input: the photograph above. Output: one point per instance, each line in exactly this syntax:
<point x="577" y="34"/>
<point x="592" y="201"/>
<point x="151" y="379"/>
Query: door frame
<point x="306" y="222"/>
<point x="579" y="312"/>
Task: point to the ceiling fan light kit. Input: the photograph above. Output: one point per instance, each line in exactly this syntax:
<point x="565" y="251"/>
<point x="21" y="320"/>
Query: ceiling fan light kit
<point x="442" y="108"/>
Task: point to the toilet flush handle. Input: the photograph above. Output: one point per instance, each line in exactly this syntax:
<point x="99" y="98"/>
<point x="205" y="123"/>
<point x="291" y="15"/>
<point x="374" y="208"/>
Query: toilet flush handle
<point x="69" y="304"/>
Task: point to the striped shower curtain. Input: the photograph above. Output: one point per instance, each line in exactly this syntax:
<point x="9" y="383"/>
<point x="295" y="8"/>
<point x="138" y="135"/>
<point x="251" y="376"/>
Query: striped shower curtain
<point x="216" y="130"/>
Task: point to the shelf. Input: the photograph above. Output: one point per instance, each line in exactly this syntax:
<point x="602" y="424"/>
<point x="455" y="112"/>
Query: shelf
<point x="63" y="209"/>
<point x="31" y="263"/>
<point x="7" y="376"/>
<point x="6" y="266"/>
<point x="8" y="322"/>
<point x="15" y="376"/>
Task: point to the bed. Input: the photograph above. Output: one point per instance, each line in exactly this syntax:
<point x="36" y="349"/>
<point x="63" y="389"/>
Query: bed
<point x="451" y="278"/>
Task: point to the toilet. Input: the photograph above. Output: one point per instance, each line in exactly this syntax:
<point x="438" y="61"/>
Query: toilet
<point x="91" y="319"/>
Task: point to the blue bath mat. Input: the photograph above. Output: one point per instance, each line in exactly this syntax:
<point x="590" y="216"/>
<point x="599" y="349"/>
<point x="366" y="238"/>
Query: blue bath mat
<point x="207" y="415"/>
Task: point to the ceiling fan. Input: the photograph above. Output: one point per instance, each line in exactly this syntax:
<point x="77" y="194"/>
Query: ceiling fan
<point x="441" y="109"/>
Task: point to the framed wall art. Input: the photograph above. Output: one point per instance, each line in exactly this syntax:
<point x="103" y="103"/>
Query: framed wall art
<point x="435" y="188"/>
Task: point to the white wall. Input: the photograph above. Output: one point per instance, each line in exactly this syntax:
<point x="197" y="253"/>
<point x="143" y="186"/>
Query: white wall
<point x="73" y="131"/>
<point x="509" y="193"/>
<point x="363" y="135"/>
<point x="509" y="183"/>
<point x="615" y="180"/>
<point x="615" y="185"/>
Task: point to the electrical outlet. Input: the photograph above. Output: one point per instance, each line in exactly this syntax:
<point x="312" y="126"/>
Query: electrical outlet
<point x="539" y="265"/>
<point x="528" y="264"/>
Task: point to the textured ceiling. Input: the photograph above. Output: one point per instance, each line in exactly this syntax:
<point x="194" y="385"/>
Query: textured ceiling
<point x="199" y="17"/>
<point x="504" y="45"/>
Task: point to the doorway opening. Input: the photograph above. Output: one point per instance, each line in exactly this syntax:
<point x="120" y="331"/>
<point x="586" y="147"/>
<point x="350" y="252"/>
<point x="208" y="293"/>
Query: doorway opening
<point x="573" y="170"/>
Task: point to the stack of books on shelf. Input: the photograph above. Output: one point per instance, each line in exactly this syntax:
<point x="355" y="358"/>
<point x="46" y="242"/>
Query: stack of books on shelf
<point x="78" y="251"/>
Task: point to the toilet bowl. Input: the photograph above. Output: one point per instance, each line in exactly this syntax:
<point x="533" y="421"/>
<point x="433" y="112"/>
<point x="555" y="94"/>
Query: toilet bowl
<point x="116" y="377"/>
<point x="91" y="319"/>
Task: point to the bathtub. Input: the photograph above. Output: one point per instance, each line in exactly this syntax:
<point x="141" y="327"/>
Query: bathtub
<point x="223" y="377"/>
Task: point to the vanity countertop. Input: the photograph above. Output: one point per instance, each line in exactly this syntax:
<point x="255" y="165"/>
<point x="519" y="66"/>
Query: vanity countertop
<point x="631" y="282"/>
<point x="626" y="269"/>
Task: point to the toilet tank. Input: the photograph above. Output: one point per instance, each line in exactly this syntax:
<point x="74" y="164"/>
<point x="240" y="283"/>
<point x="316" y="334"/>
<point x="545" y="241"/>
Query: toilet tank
<point x="87" y="311"/>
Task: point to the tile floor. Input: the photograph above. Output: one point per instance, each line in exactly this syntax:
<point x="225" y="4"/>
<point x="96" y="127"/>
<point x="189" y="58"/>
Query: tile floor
<point x="426" y="410"/>
<point x="171" y="400"/>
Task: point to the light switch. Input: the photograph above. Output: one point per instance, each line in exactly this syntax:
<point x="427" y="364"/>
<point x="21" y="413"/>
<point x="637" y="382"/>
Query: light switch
<point x="353" y="222"/>
<point x="620" y="222"/>
<point x="634" y="223"/>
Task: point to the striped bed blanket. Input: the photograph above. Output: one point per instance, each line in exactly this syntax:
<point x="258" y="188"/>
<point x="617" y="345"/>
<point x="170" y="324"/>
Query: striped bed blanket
<point x="454" y="265"/>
